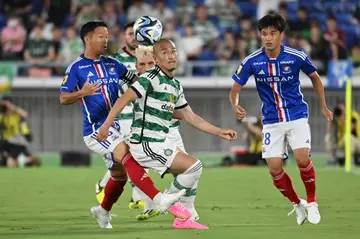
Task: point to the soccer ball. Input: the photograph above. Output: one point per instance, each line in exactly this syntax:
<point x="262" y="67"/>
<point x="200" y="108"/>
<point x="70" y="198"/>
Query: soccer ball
<point x="148" y="30"/>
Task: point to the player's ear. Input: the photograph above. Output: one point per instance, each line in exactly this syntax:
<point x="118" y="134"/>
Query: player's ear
<point x="87" y="38"/>
<point x="155" y="59"/>
<point x="282" y="35"/>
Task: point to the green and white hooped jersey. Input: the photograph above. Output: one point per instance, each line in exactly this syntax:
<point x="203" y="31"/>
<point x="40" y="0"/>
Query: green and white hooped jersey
<point x="129" y="61"/>
<point x="159" y="95"/>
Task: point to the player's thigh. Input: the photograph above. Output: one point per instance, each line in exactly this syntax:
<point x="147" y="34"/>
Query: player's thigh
<point x="299" y="135"/>
<point x="175" y="136"/>
<point x="106" y="149"/>
<point x="156" y="156"/>
<point x="273" y="141"/>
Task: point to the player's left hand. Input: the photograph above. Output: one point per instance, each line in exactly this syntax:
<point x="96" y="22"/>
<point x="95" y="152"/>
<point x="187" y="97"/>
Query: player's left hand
<point x="228" y="134"/>
<point x="327" y="114"/>
<point x="103" y="133"/>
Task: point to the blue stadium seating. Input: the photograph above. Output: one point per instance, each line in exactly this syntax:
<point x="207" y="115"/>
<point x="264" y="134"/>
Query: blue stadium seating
<point x="248" y="9"/>
<point x="343" y="18"/>
<point x="3" y="21"/>
<point x="206" y="55"/>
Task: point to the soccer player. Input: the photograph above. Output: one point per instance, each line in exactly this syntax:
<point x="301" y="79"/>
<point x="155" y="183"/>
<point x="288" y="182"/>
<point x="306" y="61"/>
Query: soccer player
<point x="126" y="56"/>
<point x="158" y="98"/>
<point x="144" y="61"/>
<point x="285" y="113"/>
<point x="93" y="80"/>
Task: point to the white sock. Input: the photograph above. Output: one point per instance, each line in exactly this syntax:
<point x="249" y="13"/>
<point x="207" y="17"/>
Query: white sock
<point x="189" y="181"/>
<point x="149" y="204"/>
<point x="137" y="194"/>
<point x="157" y="198"/>
<point x="105" y="179"/>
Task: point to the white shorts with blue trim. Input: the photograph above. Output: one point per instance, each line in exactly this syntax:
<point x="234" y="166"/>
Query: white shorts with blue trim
<point x="276" y="137"/>
<point x="106" y="148"/>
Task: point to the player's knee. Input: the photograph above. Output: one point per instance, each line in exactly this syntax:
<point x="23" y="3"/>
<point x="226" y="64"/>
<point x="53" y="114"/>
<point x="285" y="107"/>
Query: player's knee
<point x="120" y="151"/>
<point x="118" y="176"/>
<point x="302" y="158"/>
<point x="275" y="170"/>
<point x="195" y="170"/>
<point x="118" y="171"/>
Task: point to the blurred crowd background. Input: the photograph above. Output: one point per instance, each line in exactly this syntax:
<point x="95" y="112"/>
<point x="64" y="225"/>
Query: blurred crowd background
<point x="212" y="36"/>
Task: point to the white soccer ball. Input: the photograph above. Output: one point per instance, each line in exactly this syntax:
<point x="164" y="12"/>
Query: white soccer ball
<point x="148" y="30"/>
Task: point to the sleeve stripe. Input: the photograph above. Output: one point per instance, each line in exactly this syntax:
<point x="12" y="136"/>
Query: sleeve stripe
<point x="182" y="106"/>
<point x="259" y="51"/>
<point x="136" y="91"/>
<point x="295" y="51"/>
<point x="295" y="54"/>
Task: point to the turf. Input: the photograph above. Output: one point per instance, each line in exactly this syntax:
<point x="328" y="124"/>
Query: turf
<point x="234" y="203"/>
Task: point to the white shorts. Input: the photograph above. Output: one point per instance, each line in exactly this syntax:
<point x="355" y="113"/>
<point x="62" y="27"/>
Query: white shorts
<point x="125" y="127"/>
<point x="175" y="136"/>
<point x="105" y="149"/>
<point x="277" y="136"/>
<point x="155" y="156"/>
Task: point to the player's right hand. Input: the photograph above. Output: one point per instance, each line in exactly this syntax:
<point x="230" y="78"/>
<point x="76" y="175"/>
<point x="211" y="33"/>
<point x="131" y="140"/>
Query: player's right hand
<point x="88" y="89"/>
<point x="228" y="134"/>
<point x="103" y="133"/>
<point x="239" y="112"/>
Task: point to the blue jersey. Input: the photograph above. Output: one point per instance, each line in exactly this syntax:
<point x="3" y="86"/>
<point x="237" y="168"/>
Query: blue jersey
<point x="277" y="82"/>
<point x="107" y="72"/>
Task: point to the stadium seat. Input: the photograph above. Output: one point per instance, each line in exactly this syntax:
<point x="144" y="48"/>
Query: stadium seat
<point x="351" y="35"/>
<point x="343" y="18"/>
<point x="199" y="2"/>
<point x="205" y="55"/>
<point x="3" y="21"/>
<point x="292" y="7"/>
<point x="36" y="6"/>
<point x="214" y="20"/>
<point x="335" y="6"/>
<point x="320" y="16"/>
<point x="122" y="20"/>
<point x="170" y="4"/>
<point x="248" y="9"/>
<point x="67" y="21"/>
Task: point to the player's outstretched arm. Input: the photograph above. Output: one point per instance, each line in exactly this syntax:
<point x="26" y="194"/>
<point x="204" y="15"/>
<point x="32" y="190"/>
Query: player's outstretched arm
<point x="234" y="101"/>
<point x="319" y="89"/>
<point x="199" y="123"/>
<point x="125" y="99"/>
<point x="67" y="98"/>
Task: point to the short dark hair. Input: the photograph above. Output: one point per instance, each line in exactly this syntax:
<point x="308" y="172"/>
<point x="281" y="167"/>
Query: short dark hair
<point x="272" y="20"/>
<point x="90" y="27"/>
<point x="128" y="25"/>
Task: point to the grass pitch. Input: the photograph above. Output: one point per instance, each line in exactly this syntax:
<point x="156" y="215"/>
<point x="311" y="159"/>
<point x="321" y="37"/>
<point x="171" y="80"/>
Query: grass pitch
<point x="234" y="203"/>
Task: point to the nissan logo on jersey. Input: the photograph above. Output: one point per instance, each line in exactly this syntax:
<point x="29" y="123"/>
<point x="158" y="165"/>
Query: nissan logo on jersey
<point x="274" y="79"/>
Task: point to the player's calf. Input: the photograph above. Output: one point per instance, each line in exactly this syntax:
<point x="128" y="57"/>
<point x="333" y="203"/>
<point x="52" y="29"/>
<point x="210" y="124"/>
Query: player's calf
<point x="114" y="187"/>
<point x="307" y="172"/>
<point x="188" y="171"/>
